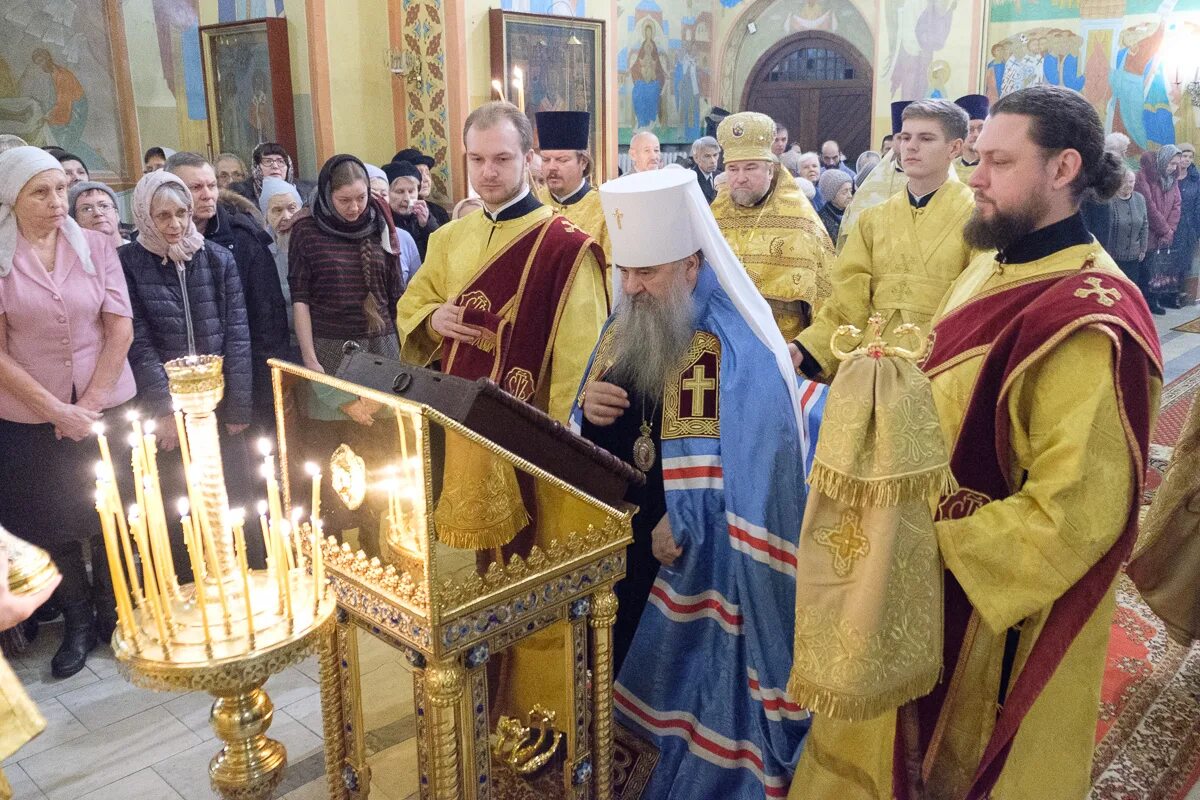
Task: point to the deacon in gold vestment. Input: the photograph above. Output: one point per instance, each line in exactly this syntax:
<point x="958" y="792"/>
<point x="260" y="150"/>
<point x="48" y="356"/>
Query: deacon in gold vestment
<point x="770" y="226"/>
<point x="1073" y="475"/>
<point x="566" y="162"/>
<point x="885" y="180"/>
<point x="901" y="256"/>
<point x="515" y="293"/>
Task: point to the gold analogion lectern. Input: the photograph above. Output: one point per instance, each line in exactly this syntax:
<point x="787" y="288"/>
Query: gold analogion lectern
<point x="472" y="544"/>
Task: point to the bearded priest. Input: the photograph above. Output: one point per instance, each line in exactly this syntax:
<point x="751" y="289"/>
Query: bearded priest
<point x="566" y="162"/>
<point x="1046" y="373"/>
<point x="691" y="381"/>
<point x="771" y="227"/>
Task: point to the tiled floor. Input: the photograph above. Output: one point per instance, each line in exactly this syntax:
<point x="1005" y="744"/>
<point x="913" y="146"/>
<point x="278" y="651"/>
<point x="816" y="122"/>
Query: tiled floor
<point x="108" y="740"/>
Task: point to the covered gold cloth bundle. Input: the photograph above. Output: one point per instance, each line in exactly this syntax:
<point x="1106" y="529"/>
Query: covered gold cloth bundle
<point x="869" y="595"/>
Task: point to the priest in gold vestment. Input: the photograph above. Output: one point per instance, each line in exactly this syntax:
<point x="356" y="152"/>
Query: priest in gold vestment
<point x="514" y="227"/>
<point x="976" y="106"/>
<point x="771" y="227"/>
<point x="1046" y="373"/>
<point x="901" y="256"/>
<point x="566" y="164"/>
<point x="517" y="294"/>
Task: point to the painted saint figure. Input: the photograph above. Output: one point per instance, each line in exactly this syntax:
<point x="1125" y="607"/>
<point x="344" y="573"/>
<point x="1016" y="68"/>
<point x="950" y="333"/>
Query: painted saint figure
<point x="1140" y="106"/>
<point x="648" y="79"/>
<point x="68" y="114"/>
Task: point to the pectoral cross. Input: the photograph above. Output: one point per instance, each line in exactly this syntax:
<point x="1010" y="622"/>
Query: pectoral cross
<point x="619" y="214"/>
<point x="698" y="384"/>
<point x="846" y="542"/>
<point x="1105" y="296"/>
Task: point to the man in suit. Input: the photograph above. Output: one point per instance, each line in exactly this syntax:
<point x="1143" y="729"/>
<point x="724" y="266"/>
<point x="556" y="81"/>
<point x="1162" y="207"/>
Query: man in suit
<point x="705" y="155"/>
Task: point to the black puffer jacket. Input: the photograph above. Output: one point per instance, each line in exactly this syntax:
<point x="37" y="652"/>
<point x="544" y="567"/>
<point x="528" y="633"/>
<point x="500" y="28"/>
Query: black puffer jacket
<point x="267" y="314"/>
<point x="160" y="329"/>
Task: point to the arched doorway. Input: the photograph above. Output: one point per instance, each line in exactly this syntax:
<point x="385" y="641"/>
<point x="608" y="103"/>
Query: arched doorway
<point x="819" y="86"/>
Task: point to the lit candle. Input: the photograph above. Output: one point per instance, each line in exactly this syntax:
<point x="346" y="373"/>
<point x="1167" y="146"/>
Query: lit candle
<point x="498" y="88"/>
<point x="239" y="538"/>
<point x="268" y="471"/>
<point x="120" y="588"/>
<point x="105" y="453"/>
<point x="518" y="81"/>
<point x="112" y="502"/>
<point x="197" y="559"/>
<point x="314" y="472"/>
<point x="157" y="511"/>
<point x="266" y="534"/>
<point x="137" y="524"/>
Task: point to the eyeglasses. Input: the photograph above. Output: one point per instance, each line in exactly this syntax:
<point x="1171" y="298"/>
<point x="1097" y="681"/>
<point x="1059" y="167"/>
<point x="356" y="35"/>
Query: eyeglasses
<point x="99" y="208"/>
<point x="273" y="161"/>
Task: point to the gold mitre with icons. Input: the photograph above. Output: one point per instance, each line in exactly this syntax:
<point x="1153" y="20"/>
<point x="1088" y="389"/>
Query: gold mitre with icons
<point x="746" y="136"/>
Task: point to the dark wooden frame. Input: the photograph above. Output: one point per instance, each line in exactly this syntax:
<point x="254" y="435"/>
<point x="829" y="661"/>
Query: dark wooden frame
<point x="280" y="76"/>
<point x="499" y="22"/>
<point x="781" y="48"/>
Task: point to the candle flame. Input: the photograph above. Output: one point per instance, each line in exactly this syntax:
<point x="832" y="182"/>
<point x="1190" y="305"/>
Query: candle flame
<point x="134" y="511"/>
<point x="238" y="515"/>
<point x="297" y="514"/>
<point x="98" y="428"/>
<point x="262" y="508"/>
<point x="266" y="471"/>
<point x="101" y="471"/>
<point x="312" y="469"/>
<point x="264" y="446"/>
<point x="149" y="426"/>
<point x="183" y="506"/>
<point x="135" y="441"/>
<point x="132" y="416"/>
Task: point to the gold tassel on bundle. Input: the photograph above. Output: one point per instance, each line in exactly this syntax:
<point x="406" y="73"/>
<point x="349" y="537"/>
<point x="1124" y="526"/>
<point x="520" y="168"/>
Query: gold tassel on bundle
<point x="868" y="632"/>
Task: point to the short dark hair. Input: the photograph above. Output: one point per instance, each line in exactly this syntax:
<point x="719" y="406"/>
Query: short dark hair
<point x="64" y="157"/>
<point x="780" y="128"/>
<point x="154" y="151"/>
<point x="1061" y="119"/>
<point x="491" y="114"/>
<point x="269" y="149"/>
<point x="185" y="160"/>
<point x="954" y="121"/>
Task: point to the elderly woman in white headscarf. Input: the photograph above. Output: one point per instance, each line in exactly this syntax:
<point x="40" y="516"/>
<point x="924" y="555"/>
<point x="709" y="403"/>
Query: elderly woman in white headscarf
<point x="65" y="330"/>
<point x="279" y="203"/>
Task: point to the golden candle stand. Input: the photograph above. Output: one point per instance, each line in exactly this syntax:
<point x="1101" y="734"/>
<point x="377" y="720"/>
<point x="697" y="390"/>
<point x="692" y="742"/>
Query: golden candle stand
<point x="232" y="628"/>
<point x="463" y="617"/>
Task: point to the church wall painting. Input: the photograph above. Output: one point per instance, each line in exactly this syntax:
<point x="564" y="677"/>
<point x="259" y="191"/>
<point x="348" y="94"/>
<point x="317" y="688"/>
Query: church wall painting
<point x="1131" y="59"/>
<point x="64" y="80"/>
<point x="665" y="62"/>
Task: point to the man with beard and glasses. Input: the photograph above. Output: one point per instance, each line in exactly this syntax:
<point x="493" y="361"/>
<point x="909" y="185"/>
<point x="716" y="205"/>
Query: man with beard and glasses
<point x="1046" y="373"/>
<point x="902" y="255"/>
<point x="691" y="382"/>
<point x="771" y="228"/>
<point x="563" y="138"/>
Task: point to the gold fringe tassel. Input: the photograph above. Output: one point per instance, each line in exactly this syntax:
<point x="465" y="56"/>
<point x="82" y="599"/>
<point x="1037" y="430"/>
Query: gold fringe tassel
<point x="857" y="708"/>
<point x="495" y="534"/>
<point x="881" y="492"/>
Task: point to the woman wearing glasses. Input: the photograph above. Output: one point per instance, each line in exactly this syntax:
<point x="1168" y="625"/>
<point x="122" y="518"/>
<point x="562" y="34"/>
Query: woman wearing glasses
<point x="94" y="206"/>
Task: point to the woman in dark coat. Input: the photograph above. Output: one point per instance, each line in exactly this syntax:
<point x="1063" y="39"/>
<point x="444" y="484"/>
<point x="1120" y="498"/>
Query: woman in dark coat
<point x="1188" y="232"/>
<point x="187" y="300"/>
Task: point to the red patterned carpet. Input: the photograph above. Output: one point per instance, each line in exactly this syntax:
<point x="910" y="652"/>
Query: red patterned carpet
<point x="1148" y="739"/>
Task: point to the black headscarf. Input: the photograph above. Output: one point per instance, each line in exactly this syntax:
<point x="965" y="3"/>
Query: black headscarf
<point x="370" y="223"/>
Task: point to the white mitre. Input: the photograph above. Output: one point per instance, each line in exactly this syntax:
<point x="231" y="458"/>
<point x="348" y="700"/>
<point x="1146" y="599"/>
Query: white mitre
<point x="661" y="216"/>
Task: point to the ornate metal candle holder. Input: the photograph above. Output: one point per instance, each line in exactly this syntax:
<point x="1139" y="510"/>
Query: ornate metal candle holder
<point x="233" y="627"/>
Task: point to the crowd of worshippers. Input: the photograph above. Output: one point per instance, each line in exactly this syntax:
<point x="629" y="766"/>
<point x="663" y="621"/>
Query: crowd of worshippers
<point x="741" y="272"/>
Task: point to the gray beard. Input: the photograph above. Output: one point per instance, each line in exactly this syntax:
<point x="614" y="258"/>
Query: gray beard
<point x="651" y="338"/>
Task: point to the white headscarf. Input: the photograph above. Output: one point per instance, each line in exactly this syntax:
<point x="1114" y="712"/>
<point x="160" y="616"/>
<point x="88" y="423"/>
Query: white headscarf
<point x="17" y="166"/>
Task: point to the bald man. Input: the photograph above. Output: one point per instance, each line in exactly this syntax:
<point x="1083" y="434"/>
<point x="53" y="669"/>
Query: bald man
<point x="645" y="151"/>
